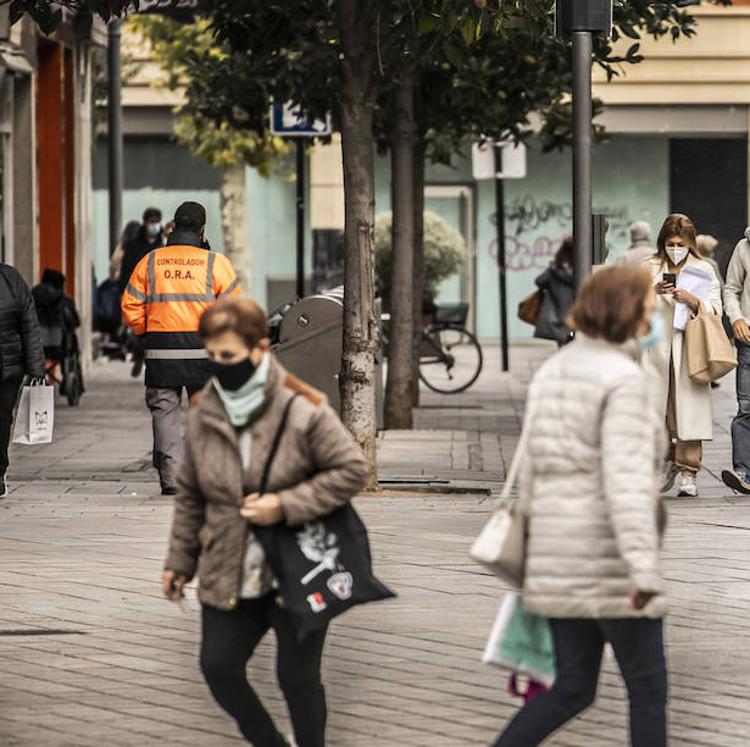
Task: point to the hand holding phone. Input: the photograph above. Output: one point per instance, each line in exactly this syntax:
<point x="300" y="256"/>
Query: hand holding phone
<point x="667" y="283"/>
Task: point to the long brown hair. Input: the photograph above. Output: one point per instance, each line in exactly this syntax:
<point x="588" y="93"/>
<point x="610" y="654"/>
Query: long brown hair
<point x="676" y="224"/>
<point x="611" y="303"/>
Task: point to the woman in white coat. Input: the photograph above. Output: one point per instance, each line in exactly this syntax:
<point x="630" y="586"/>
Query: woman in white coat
<point x="686" y="404"/>
<point x="588" y="485"/>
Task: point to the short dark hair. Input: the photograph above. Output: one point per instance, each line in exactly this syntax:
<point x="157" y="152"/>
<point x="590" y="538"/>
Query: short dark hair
<point x="611" y="303"/>
<point x="54" y="278"/>
<point x="564" y="253"/>
<point x="190" y="216"/>
<point x="151" y="214"/>
<point x="239" y="315"/>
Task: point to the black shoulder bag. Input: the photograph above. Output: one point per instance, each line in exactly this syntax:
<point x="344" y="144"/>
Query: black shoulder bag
<point x="323" y="567"/>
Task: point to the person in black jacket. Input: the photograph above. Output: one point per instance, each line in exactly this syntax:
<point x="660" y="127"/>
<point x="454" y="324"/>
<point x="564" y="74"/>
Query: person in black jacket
<point x="135" y="248"/>
<point x="556" y="283"/>
<point x="20" y="353"/>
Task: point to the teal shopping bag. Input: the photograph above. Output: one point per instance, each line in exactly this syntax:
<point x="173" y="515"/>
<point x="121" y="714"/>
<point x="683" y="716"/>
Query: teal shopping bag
<point x="521" y="642"/>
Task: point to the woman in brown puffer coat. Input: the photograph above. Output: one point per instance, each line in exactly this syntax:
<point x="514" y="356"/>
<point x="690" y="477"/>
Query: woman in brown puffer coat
<point x="318" y="467"/>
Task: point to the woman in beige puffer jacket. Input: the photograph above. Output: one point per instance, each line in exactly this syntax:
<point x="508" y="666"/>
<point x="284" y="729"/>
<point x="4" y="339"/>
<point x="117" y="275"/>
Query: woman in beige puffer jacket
<point x="589" y="488"/>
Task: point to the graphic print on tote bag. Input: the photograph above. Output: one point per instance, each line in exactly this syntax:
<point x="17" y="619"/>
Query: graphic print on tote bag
<point x="322" y="547"/>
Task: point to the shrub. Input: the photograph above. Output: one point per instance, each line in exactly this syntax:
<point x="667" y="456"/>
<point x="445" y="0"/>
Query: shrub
<point x="444" y="252"/>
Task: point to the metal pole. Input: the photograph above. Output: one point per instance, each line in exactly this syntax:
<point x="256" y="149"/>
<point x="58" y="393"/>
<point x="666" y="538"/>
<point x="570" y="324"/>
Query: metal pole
<point x="582" y="232"/>
<point x="300" y="217"/>
<point x="500" y="228"/>
<point x="115" y="145"/>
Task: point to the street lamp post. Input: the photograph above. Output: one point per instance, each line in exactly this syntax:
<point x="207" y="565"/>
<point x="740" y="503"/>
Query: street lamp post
<point x="114" y="143"/>
<point x="582" y="113"/>
<point x="581" y="19"/>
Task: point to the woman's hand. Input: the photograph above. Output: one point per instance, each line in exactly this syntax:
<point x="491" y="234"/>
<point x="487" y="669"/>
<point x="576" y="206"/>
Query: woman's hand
<point x="742" y="331"/>
<point x="262" y="510"/>
<point x="172" y="585"/>
<point x="682" y="296"/>
<point x="664" y="289"/>
<point x="639" y="599"/>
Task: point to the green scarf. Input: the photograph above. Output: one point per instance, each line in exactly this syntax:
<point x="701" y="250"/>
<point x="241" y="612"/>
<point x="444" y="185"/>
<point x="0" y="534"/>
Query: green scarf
<point x="243" y="402"/>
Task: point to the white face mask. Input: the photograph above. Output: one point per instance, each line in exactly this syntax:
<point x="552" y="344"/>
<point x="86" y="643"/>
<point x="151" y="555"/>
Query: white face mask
<point x="677" y="254"/>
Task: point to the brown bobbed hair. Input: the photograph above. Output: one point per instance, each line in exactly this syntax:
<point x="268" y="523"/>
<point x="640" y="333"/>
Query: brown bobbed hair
<point x="239" y="315"/>
<point x="611" y="303"/>
<point x="680" y="225"/>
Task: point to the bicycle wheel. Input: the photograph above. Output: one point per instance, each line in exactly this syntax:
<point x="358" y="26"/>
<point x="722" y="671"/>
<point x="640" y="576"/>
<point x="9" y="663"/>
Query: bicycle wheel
<point x="450" y="358"/>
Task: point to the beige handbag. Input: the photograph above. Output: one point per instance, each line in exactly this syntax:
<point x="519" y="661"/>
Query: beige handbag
<point x="710" y="354"/>
<point x="501" y="545"/>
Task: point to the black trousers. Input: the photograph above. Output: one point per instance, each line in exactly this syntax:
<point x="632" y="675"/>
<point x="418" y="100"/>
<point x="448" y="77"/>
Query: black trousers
<point x="639" y="649"/>
<point x="229" y="640"/>
<point x="8" y="395"/>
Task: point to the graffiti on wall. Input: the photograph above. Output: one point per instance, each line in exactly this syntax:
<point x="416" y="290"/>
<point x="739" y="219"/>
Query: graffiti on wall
<point x="535" y="228"/>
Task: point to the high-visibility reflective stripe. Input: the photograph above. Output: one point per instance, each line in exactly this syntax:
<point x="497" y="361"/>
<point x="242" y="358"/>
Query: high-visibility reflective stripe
<point x="231" y="287"/>
<point x="176" y="354"/>
<point x="210" y="274"/>
<point x="152" y="271"/>
<point x="140" y="295"/>
<point x="167" y="297"/>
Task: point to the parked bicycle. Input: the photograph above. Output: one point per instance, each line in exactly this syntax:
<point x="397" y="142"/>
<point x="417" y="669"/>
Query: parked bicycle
<point x="450" y="357"/>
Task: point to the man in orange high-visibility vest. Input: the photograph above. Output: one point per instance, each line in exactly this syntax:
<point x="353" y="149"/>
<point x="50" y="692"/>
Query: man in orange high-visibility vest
<point x="168" y="292"/>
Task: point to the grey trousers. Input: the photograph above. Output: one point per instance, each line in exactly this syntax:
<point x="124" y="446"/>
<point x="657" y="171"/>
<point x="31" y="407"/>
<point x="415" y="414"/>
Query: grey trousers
<point x="166" y="419"/>
<point x="741" y="422"/>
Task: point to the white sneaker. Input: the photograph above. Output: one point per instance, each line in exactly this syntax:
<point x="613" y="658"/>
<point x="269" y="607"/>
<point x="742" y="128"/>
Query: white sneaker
<point x="687" y="486"/>
<point x="668" y="476"/>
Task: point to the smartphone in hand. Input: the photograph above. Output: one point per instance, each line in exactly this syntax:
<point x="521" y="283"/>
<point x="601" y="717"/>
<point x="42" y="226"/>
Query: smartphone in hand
<point x="670" y="278"/>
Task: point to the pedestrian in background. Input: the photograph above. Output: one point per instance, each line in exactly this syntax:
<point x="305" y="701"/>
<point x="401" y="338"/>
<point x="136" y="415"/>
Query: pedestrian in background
<point x="164" y="300"/>
<point x="588" y="486"/>
<point x="640" y="247"/>
<point x="149" y="237"/>
<point x="318" y="468"/>
<point x="737" y="305"/>
<point x="130" y="235"/>
<point x="20" y="353"/>
<point x="686" y="404"/>
<point x="707" y="246"/>
<point x="557" y="286"/>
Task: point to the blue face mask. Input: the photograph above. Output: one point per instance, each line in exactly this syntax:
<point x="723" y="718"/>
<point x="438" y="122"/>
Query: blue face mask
<point x="654" y="334"/>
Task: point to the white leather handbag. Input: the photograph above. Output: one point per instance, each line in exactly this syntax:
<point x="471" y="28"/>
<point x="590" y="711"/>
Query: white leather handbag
<point x="501" y="545"/>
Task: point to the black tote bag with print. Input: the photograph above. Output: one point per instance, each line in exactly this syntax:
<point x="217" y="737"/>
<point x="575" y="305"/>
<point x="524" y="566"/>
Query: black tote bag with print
<point x="322" y="567"/>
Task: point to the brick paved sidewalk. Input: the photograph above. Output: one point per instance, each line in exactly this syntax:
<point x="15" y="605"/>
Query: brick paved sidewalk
<point x="90" y="654"/>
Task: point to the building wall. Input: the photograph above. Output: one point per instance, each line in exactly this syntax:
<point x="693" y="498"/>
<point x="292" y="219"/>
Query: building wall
<point x="631" y="182"/>
<point x="161" y="173"/>
<point x="712" y="67"/>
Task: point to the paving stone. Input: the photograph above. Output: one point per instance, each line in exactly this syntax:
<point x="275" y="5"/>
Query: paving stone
<point x="82" y="538"/>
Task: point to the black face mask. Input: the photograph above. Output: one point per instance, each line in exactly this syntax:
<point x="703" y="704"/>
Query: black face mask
<point x="233" y="375"/>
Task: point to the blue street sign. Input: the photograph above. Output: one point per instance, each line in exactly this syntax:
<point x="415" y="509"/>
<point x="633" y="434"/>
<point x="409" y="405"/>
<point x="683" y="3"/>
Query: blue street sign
<point x="290" y="121"/>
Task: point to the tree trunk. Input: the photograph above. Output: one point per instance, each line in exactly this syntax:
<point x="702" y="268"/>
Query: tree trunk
<point x="232" y="193"/>
<point x="418" y="273"/>
<point x="398" y="394"/>
<point x="357" y="104"/>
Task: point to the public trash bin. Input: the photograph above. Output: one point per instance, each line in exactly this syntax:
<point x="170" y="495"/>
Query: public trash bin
<point x="308" y="342"/>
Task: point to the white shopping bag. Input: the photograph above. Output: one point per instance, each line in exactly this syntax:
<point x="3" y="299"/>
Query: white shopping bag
<point x="35" y="417"/>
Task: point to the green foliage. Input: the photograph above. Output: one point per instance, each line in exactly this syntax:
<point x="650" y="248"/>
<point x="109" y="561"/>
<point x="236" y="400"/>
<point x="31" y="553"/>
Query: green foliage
<point x="49" y="14"/>
<point x="484" y="67"/>
<point x="191" y="59"/>
<point x="444" y="252"/>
